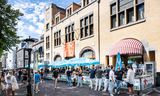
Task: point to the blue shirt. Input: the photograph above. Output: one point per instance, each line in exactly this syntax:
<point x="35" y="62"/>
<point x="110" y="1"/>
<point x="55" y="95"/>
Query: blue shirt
<point x="37" y="78"/>
<point x="92" y="73"/>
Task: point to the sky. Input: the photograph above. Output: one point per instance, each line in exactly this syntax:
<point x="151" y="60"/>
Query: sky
<point x="31" y="23"/>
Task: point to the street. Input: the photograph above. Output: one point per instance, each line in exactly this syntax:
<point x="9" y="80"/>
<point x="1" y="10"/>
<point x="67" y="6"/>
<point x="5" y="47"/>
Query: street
<point x="47" y="89"/>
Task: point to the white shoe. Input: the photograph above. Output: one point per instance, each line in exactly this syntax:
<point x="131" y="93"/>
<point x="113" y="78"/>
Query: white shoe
<point x="103" y="90"/>
<point x="111" y="95"/>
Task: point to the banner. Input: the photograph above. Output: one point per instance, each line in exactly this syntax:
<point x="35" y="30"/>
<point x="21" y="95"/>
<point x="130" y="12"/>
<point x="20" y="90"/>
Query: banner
<point x="69" y="49"/>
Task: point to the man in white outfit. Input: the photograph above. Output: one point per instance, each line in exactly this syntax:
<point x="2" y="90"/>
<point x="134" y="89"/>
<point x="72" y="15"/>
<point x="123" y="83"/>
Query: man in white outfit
<point x="111" y="81"/>
<point x="130" y="80"/>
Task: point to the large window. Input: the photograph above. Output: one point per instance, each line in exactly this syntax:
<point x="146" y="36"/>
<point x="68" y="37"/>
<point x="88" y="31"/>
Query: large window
<point x="88" y="53"/>
<point x="123" y="12"/>
<point x="69" y="33"/>
<point x="86" y="26"/>
<point x="47" y="42"/>
<point x="57" y="38"/>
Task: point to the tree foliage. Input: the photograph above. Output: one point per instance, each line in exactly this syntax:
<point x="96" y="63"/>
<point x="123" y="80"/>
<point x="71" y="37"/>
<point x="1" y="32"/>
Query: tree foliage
<point x="8" y="20"/>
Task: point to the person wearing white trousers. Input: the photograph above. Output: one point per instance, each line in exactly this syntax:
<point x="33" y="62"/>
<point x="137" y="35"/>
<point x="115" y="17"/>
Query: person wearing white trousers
<point x="106" y="81"/>
<point x="99" y="73"/>
<point x="98" y="84"/>
<point x="92" y="73"/>
<point x="106" y="84"/>
<point x="111" y="81"/>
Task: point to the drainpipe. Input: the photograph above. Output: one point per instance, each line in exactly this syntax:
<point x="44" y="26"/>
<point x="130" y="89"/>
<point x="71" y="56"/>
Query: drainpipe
<point x="98" y="1"/>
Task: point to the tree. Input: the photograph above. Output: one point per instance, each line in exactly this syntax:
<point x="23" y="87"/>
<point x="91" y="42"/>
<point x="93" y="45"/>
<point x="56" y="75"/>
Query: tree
<point x="8" y="20"/>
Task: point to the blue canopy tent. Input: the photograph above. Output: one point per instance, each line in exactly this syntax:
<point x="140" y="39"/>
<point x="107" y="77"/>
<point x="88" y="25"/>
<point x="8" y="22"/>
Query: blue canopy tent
<point x="75" y="62"/>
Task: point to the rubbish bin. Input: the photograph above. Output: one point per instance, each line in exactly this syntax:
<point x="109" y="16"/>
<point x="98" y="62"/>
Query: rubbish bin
<point x="158" y="79"/>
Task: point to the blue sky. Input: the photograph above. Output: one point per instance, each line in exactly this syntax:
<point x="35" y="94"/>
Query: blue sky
<point x="31" y="23"/>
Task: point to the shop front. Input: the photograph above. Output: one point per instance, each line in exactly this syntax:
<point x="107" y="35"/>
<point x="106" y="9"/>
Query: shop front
<point x="133" y="53"/>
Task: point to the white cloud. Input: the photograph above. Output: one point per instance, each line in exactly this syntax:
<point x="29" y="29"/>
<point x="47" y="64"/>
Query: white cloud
<point x="31" y="22"/>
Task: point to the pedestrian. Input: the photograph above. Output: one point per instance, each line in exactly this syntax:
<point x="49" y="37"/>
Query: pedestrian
<point x="92" y="73"/>
<point x="11" y="84"/>
<point x="119" y="75"/>
<point x="111" y="81"/>
<point x="55" y="77"/>
<point x="130" y="80"/>
<point x="79" y="83"/>
<point x="106" y="81"/>
<point x="37" y="79"/>
<point x="69" y="74"/>
<point x="74" y="77"/>
<point x="19" y="75"/>
<point x="2" y="84"/>
<point x="99" y="73"/>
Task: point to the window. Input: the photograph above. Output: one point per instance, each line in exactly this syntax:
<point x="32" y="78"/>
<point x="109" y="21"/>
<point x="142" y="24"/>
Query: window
<point x="69" y="12"/>
<point x="47" y="42"/>
<point x="88" y="53"/>
<point x="57" y="20"/>
<point x="69" y="33"/>
<point x="130" y="15"/>
<point x="113" y="9"/>
<point x="57" y="38"/>
<point x="47" y="56"/>
<point x="127" y="11"/>
<point x="121" y="18"/>
<point x="140" y="12"/>
<point x="85" y="2"/>
<point x="86" y="26"/>
<point x="113" y="21"/>
<point x="91" y="24"/>
<point x="47" y="26"/>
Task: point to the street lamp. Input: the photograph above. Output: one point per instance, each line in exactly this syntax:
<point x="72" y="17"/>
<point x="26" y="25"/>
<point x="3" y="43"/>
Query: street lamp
<point x="29" y="49"/>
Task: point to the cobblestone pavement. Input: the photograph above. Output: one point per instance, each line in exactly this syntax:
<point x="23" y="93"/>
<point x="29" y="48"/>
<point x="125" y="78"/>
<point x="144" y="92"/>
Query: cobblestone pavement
<point x="47" y="89"/>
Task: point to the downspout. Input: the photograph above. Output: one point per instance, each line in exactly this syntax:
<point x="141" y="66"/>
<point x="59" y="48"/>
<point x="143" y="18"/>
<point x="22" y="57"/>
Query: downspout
<point x="98" y="1"/>
<point x="51" y="45"/>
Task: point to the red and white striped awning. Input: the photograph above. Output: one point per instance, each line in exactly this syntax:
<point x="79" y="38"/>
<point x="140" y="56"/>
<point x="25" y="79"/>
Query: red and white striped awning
<point x="127" y="46"/>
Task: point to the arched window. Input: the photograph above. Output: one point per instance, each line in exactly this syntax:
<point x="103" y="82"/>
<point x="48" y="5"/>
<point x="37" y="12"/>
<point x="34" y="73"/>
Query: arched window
<point x="57" y="58"/>
<point x="88" y="53"/>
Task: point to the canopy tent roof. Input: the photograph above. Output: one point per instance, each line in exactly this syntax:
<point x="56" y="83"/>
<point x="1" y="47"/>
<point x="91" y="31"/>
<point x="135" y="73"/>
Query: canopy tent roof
<point x="75" y="62"/>
<point x="127" y="46"/>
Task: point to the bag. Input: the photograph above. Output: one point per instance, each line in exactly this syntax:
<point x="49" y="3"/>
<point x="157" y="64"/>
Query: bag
<point x="15" y="85"/>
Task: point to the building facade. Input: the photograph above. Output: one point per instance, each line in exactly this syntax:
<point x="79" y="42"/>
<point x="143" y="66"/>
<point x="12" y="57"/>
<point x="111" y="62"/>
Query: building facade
<point x="38" y="51"/>
<point x="71" y="32"/>
<point x="100" y="29"/>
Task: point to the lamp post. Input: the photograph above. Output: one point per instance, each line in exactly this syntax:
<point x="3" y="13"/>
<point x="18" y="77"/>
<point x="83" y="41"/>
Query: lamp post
<point x="29" y="49"/>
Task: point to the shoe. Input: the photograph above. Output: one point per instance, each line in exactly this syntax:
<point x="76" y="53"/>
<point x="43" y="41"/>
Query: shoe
<point x="95" y="89"/>
<point x="103" y="90"/>
<point x="111" y="95"/>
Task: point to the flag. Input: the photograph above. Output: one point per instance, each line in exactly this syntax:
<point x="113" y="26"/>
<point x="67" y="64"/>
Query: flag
<point x="118" y="62"/>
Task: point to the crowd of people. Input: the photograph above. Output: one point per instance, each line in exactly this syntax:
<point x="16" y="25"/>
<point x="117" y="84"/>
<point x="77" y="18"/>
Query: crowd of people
<point x="112" y="82"/>
<point x="106" y="79"/>
<point x="8" y="83"/>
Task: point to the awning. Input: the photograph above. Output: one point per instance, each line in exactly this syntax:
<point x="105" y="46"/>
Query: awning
<point x="127" y="46"/>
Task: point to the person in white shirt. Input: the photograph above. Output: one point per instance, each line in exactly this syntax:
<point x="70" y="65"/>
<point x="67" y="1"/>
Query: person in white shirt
<point x="11" y="83"/>
<point x="130" y="80"/>
<point x="111" y="81"/>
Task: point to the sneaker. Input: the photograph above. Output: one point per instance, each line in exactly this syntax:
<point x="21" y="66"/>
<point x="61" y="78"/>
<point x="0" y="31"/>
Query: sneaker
<point x="103" y="90"/>
<point x="111" y="95"/>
